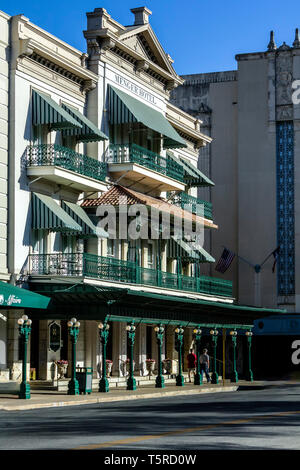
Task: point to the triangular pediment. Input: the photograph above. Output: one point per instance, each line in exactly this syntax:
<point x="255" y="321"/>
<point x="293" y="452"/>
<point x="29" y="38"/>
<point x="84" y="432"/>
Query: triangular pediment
<point x="144" y="41"/>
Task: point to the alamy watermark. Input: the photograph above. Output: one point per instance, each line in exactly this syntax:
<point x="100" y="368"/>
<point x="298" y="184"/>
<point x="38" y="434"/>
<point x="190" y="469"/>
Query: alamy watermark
<point x="139" y="221"/>
<point x="296" y="354"/>
<point x="296" y="93"/>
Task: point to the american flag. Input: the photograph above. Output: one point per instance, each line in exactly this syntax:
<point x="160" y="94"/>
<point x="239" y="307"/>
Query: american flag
<point x="225" y="261"/>
<point x="275" y="253"/>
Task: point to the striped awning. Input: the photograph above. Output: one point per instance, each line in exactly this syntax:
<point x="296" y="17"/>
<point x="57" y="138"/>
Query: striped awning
<point x="89" y="229"/>
<point x="177" y="248"/>
<point x="46" y="111"/>
<point x="88" y="132"/>
<point x="124" y="109"/>
<point x="192" y="175"/>
<point x="48" y="215"/>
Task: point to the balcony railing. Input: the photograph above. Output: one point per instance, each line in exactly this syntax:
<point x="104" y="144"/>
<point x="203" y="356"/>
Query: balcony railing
<point x="132" y="153"/>
<point x="56" y="155"/>
<point x="194" y="205"/>
<point x="112" y="269"/>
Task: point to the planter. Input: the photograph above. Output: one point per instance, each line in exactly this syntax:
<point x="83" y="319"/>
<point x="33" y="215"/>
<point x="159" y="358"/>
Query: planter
<point x="150" y="365"/>
<point x="108" y="368"/>
<point x="126" y="368"/>
<point x="62" y="370"/>
<point x="167" y="366"/>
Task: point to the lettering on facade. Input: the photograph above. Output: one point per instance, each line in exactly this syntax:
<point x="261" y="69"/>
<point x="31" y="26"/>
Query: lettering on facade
<point x="137" y="90"/>
<point x="12" y="299"/>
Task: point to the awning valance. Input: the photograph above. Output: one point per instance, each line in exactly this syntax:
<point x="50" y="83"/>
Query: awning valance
<point x="80" y="216"/>
<point x="12" y="296"/>
<point x="48" y="215"/>
<point x="124" y="109"/>
<point x="192" y="175"/>
<point x="178" y="248"/>
<point x="88" y="131"/>
<point x="46" y="111"/>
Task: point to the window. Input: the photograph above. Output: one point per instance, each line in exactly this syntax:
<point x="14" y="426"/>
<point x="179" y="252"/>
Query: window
<point x="285" y="208"/>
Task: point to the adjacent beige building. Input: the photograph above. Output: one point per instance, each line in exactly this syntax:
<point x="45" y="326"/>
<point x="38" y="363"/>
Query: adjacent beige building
<point x="253" y="158"/>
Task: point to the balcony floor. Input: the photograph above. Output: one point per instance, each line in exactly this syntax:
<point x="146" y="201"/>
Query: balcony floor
<point x="66" y="177"/>
<point x="137" y="174"/>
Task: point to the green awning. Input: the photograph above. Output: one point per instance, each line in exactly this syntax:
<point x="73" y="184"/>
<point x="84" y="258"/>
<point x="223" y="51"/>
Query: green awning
<point x="124" y="109"/>
<point x="88" y="132"/>
<point x="11" y="296"/>
<point x="46" y="111"/>
<point x="48" y="215"/>
<point x="178" y="248"/>
<point x="80" y="216"/>
<point x="192" y="175"/>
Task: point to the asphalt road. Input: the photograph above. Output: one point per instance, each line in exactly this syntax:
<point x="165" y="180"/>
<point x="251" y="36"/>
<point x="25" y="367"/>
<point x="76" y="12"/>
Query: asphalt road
<point x="244" y="420"/>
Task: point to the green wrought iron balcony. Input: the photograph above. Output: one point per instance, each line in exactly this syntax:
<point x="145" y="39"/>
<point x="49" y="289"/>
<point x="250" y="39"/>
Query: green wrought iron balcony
<point x="133" y="153"/>
<point x="112" y="269"/>
<point x="63" y="157"/>
<point x="193" y="204"/>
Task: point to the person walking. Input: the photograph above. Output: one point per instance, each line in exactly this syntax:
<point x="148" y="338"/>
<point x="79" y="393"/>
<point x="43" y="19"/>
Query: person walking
<point x="191" y="358"/>
<point x="204" y="365"/>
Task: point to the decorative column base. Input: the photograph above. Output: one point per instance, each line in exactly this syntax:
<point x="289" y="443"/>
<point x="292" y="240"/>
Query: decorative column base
<point x="179" y="381"/>
<point x="131" y="383"/>
<point x="73" y="387"/>
<point x="24" y="392"/>
<point x="197" y="379"/>
<point x="214" y="378"/>
<point x="160" y="382"/>
<point x="249" y="376"/>
<point x="234" y="377"/>
<point x="103" y="385"/>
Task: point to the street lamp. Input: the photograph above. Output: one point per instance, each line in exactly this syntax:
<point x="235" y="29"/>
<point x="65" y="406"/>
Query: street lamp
<point x="214" y="376"/>
<point x="24" y="331"/>
<point x="131" y="382"/>
<point x="198" y="377"/>
<point x="249" y="374"/>
<point x="73" y="326"/>
<point x="159" y="382"/>
<point x="103" y="333"/>
<point x="234" y="377"/>
<point x="178" y="346"/>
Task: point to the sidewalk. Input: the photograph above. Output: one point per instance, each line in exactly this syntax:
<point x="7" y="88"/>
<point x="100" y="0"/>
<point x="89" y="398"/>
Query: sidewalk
<point x="48" y="399"/>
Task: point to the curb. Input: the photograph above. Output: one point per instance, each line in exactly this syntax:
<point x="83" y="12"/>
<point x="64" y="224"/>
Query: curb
<point x="115" y="399"/>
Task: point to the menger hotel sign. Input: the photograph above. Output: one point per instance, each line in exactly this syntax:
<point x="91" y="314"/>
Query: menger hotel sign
<point x="137" y="90"/>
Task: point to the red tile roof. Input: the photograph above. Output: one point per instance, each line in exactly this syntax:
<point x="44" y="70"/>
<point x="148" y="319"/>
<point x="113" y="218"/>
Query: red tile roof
<point x="118" y="195"/>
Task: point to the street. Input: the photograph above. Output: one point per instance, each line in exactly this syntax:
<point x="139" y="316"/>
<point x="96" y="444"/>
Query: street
<point x="250" y="419"/>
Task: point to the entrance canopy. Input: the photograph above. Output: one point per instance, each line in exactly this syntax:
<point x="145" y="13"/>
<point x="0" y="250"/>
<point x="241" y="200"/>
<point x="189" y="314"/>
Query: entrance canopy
<point x="94" y="302"/>
<point x="11" y="296"/>
<point x="123" y="108"/>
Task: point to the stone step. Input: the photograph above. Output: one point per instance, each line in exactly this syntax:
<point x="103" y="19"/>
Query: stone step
<point x="119" y="382"/>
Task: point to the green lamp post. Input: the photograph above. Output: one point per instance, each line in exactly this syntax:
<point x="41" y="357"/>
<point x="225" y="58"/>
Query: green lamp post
<point x="73" y="325"/>
<point x="234" y="376"/>
<point x="160" y="381"/>
<point x="103" y="333"/>
<point x="249" y="374"/>
<point x="178" y="346"/>
<point x="214" y="337"/>
<point x="131" y="382"/>
<point x="24" y="330"/>
<point x="198" y="377"/>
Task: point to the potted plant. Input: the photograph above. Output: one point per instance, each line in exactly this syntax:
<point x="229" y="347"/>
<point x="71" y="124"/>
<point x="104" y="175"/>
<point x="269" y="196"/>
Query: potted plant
<point x="62" y="367"/>
<point x="150" y="365"/>
<point x="126" y="366"/>
<point x="109" y="365"/>
<point x="167" y="363"/>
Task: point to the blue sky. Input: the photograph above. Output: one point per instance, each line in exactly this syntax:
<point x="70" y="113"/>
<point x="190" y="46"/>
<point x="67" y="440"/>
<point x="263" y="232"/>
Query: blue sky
<point x="200" y="35"/>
